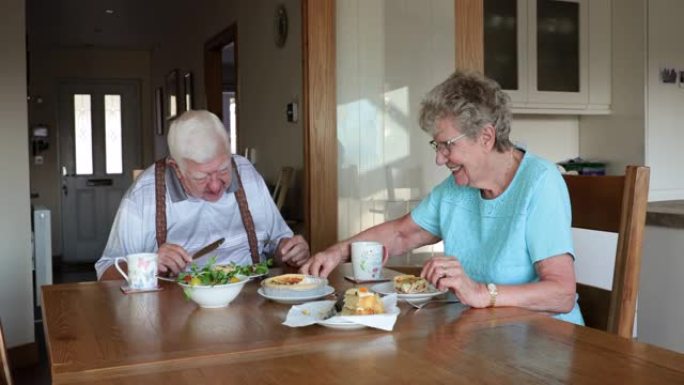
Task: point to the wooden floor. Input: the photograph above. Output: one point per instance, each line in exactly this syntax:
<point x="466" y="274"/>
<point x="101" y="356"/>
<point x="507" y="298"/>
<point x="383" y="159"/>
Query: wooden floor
<point x="62" y="273"/>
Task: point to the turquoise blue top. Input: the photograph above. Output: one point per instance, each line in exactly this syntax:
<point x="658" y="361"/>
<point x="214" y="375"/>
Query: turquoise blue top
<point x="499" y="240"/>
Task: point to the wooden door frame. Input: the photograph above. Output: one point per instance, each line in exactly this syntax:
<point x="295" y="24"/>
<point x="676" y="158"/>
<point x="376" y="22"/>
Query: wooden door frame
<point x="469" y="24"/>
<point x="213" y="74"/>
<point x="319" y="104"/>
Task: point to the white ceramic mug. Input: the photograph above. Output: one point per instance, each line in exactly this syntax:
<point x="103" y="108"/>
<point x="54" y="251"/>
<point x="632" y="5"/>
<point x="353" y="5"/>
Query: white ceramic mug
<point x="142" y="270"/>
<point x="367" y="259"/>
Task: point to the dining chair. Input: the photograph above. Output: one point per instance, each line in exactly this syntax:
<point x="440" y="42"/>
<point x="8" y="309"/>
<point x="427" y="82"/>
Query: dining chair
<point x="5" y="375"/>
<point x="136" y="173"/>
<point x="614" y="204"/>
<point x="283" y="184"/>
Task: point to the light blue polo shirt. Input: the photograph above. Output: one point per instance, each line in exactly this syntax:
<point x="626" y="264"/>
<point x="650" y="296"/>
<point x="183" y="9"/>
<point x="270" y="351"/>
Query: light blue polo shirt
<point x="499" y="240"/>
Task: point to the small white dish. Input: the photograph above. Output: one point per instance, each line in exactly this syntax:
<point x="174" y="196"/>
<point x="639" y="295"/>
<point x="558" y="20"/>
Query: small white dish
<point x="388" y="288"/>
<point x="340" y="324"/>
<point x="296" y="300"/>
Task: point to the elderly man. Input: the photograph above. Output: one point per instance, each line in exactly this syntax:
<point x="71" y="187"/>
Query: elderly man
<point x="200" y="194"/>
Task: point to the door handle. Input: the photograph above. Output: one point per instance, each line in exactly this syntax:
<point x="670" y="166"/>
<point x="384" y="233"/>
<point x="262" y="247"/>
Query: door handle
<point x="65" y="189"/>
<point x="99" y="182"/>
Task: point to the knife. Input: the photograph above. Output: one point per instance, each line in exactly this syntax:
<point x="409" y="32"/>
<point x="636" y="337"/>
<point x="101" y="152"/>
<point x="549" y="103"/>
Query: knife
<point x="208" y="248"/>
<point x="339" y="304"/>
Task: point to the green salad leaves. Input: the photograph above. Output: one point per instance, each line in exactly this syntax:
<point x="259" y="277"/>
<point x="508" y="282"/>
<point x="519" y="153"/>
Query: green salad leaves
<point x="212" y="274"/>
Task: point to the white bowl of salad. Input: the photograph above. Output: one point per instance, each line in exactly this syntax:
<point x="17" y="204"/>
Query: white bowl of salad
<point x="210" y="286"/>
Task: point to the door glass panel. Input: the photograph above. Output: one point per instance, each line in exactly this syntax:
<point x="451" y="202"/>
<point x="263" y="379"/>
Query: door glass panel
<point x="233" y="128"/>
<point x="83" y="134"/>
<point x="113" y="134"/>
<point x="501" y="42"/>
<point x="557" y="46"/>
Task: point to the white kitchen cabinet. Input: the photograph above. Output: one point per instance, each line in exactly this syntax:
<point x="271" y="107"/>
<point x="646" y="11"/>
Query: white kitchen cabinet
<point x="551" y="56"/>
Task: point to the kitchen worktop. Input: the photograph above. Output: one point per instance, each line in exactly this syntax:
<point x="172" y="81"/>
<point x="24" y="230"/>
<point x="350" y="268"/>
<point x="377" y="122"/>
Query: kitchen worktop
<point x="666" y="214"/>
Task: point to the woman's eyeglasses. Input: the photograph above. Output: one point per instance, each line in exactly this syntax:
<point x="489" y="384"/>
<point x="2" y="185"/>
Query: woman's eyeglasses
<point x="444" y="147"/>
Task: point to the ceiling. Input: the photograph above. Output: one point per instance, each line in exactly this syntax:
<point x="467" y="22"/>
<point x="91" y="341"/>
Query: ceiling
<point x="130" y="24"/>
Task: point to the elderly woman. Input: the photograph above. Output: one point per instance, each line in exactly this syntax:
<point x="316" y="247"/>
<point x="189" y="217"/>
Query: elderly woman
<point x="503" y="214"/>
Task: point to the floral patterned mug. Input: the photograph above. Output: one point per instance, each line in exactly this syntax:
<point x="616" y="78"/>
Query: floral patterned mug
<point x="142" y="270"/>
<point x="367" y="259"/>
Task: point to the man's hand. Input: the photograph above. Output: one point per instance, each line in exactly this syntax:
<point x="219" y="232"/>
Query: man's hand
<point x="172" y="258"/>
<point x="323" y="263"/>
<point x="293" y="251"/>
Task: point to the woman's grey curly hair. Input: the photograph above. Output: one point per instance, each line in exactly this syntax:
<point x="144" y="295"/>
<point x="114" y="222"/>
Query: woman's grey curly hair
<point x="472" y="101"/>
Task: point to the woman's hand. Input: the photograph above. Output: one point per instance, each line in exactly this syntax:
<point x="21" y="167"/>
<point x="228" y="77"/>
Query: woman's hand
<point x="172" y="258"/>
<point x="446" y="273"/>
<point x="323" y="263"/>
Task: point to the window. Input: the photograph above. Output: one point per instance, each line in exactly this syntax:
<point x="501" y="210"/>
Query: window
<point x="83" y="134"/>
<point x="113" y="147"/>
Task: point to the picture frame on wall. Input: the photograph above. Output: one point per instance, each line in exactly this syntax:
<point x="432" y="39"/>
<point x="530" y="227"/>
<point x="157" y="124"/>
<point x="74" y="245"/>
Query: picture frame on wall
<point x="159" y="111"/>
<point x="188" y="95"/>
<point x="172" y="102"/>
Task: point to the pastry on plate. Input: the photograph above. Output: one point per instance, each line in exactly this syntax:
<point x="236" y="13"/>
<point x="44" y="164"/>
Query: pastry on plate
<point x="410" y="284"/>
<point x="361" y="302"/>
<point x="294" y="285"/>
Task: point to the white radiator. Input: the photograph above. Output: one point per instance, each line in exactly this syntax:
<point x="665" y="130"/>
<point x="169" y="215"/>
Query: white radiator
<point x="42" y="249"/>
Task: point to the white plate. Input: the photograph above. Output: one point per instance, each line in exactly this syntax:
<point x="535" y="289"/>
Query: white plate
<point x="257" y="275"/>
<point x="371" y="280"/>
<point x="296" y="300"/>
<point x="388" y="288"/>
<point x="340" y="324"/>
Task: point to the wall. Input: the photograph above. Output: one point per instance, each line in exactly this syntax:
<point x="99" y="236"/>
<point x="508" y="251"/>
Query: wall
<point x="77" y="63"/>
<point x="16" y="304"/>
<point x="661" y="304"/>
<point x="268" y="77"/>
<point x="389" y="54"/>
<point x="385" y="163"/>
<point x="554" y="137"/>
<point x="618" y="138"/>
<point x="645" y="126"/>
<point x="664" y="134"/>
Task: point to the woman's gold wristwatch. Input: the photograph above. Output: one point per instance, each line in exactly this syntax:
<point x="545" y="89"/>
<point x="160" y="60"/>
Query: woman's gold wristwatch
<point x="493" y="292"/>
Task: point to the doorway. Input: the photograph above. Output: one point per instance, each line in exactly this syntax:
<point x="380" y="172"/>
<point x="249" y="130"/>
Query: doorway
<point x="221" y="81"/>
<point x="99" y="148"/>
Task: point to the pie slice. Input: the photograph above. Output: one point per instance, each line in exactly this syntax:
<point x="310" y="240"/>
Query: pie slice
<point x="361" y="302"/>
<point x="410" y="284"/>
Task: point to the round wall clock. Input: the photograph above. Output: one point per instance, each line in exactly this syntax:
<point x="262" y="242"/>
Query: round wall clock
<point x="280" y="26"/>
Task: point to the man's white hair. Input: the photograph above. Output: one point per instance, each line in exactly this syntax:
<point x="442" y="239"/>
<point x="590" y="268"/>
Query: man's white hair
<point x="197" y="135"/>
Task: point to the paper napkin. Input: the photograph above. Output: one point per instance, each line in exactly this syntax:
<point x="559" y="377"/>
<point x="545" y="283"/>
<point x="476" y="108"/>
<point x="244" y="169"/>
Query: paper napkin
<point x="313" y="312"/>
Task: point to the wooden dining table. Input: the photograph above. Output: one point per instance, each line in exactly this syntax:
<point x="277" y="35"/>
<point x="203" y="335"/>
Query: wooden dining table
<point x="97" y="335"/>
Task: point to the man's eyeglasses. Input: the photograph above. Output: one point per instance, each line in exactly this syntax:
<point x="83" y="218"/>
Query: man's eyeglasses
<point x="444" y="147"/>
<point x="203" y="178"/>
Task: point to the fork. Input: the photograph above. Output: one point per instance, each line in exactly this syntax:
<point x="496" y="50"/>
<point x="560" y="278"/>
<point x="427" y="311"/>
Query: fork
<point x="419" y="306"/>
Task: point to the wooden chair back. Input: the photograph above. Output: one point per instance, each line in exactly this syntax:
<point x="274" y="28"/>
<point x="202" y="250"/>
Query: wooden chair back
<point x="614" y="204"/>
<point x="5" y="374"/>
<point x="283" y="184"/>
<point x="136" y="173"/>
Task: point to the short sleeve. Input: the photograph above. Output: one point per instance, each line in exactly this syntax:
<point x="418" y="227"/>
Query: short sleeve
<point x="426" y="214"/>
<point x="549" y="220"/>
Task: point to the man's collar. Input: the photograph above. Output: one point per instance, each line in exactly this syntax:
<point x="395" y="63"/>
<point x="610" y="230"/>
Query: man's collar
<point x="177" y="192"/>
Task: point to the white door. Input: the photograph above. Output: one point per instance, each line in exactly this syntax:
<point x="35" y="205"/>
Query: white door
<point x="99" y="147"/>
